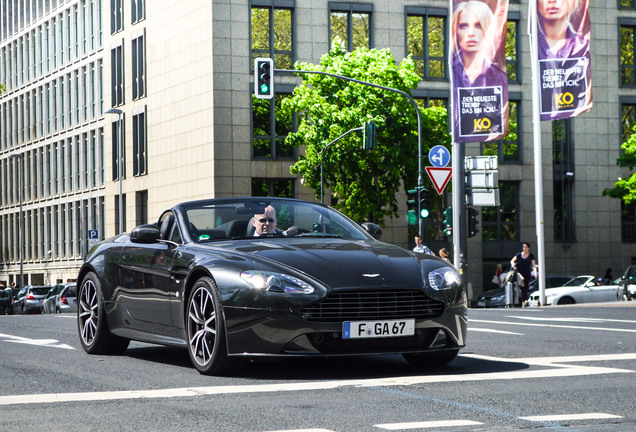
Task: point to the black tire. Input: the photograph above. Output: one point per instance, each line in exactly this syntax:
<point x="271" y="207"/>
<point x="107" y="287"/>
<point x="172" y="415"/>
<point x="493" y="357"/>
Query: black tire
<point x="92" y="326"/>
<point x="205" y="330"/>
<point x="431" y="359"/>
<point x="566" y="301"/>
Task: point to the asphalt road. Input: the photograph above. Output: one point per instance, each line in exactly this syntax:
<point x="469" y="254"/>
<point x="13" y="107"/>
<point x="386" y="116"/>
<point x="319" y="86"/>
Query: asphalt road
<point x="556" y="368"/>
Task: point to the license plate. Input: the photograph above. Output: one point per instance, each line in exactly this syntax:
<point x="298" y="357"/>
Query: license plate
<point x="377" y="329"/>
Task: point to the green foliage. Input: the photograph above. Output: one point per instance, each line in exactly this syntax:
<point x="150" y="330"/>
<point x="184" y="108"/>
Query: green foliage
<point x="363" y="183"/>
<point x="625" y="189"/>
<point x="2" y="89"/>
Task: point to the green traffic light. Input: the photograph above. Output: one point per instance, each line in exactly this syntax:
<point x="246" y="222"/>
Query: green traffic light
<point x="264" y="89"/>
<point x="424" y="213"/>
<point x="411" y="218"/>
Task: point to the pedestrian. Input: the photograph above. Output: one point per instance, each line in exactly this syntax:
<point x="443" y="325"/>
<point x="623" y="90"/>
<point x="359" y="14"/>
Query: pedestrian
<point x="524" y="263"/>
<point x="443" y="253"/>
<point x="502" y="276"/>
<point x="496" y="282"/>
<point x="419" y="247"/>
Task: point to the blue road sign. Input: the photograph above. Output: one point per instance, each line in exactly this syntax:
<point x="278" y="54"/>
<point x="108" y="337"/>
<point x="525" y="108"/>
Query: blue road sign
<point x="439" y="156"/>
<point x="93" y="234"/>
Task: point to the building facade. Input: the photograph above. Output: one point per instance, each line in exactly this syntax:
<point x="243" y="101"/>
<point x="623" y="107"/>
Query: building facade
<point x="177" y="78"/>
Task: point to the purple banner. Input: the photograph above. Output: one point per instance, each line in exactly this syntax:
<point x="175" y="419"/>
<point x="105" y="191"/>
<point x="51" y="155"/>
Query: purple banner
<point x="478" y="65"/>
<point x="563" y="36"/>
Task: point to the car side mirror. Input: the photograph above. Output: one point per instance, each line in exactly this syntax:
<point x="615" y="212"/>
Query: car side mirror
<point x="145" y="234"/>
<point x="372" y="229"/>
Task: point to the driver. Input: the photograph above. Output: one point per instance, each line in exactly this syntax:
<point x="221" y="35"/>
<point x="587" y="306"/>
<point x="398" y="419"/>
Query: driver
<point x="265" y="223"/>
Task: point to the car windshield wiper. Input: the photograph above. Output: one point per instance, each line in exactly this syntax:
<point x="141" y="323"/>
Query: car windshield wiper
<point x="318" y="234"/>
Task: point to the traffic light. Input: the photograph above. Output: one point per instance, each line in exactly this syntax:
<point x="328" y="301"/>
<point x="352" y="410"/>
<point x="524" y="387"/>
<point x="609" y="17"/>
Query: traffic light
<point x="263" y="78"/>
<point x="448" y="221"/>
<point x="411" y="203"/>
<point x="424" y="204"/>
<point x="472" y="222"/>
<point x="370" y="135"/>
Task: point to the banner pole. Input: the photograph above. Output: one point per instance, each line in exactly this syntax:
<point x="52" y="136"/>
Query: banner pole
<point x="538" y="161"/>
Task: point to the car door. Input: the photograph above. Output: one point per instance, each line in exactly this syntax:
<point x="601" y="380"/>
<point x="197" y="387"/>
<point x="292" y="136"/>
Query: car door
<point x="601" y="293"/>
<point x="147" y="283"/>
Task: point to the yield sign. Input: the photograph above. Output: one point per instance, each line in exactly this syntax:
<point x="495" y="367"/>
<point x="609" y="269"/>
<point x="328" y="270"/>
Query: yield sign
<point x="439" y="177"/>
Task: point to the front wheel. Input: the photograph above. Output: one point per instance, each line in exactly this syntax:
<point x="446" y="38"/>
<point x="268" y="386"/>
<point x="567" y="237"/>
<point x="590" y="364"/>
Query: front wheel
<point x="431" y="359"/>
<point x="94" y="334"/>
<point x="566" y="301"/>
<point x="205" y="329"/>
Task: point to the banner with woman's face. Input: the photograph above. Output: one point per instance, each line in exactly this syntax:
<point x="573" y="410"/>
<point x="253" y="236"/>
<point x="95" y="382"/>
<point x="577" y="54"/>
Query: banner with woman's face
<point x="563" y="35"/>
<point x="478" y="67"/>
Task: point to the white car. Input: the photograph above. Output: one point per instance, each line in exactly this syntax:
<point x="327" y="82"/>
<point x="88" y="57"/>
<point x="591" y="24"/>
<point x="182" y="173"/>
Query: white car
<point x="581" y="289"/>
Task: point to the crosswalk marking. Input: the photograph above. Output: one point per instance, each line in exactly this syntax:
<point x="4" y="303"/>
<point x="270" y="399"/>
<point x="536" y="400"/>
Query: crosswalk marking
<point x="570" y="417"/>
<point x="427" y="424"/>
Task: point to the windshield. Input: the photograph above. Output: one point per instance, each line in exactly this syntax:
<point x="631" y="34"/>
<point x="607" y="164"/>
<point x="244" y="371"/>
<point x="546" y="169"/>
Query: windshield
<point x="267" y="217"/>
<point x="577" y="281"/>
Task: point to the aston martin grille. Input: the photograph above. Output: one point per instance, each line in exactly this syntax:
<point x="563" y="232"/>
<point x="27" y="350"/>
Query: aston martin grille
<point x="373" y="305"/>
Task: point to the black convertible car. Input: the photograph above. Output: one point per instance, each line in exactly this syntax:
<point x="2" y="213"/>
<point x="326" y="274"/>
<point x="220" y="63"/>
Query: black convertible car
<point x="239" y="277"/>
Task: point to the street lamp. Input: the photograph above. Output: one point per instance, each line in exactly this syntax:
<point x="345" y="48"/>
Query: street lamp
<point x="119" y="164"/>
<point x="21" y="234"/>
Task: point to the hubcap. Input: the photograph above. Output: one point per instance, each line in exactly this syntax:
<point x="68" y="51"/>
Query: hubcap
<point x="87" y="315"/>
<point x="201" y="326"/>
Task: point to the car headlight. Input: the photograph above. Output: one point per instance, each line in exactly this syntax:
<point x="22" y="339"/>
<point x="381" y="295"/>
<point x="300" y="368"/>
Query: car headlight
<point x="498" y="298"/>
<point x="443" y="278"/>
<point x="276" y="282"/>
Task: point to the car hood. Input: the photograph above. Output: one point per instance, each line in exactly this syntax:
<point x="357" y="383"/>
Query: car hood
<point x="343" y="263"/>
<point x="562" y="290"/>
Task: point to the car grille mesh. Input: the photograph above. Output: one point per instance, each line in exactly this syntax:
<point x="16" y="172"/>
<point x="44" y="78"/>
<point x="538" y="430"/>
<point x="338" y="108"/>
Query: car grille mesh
<point x="373" y="305"/>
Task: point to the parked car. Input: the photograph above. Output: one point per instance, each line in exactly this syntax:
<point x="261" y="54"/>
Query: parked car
<point x="5" y="301"/>
<point x="30" y="299"/>
<point x="497" y="297"/>
<point x="66" y="299"/>
<point x="581" y="289"/>
<point x="49" y="304"/>
<point x="318" y="285"/>
<point x="628" y="282"/>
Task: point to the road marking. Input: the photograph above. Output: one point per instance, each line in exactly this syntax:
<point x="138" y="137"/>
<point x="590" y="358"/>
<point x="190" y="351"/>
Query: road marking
<point x="569" y="417"/>
<point x="550" y="325"/>
<point x="594" y="320"/>
<point x="486" y="330"/>
<point x="427" y="424"/>
<point x="52" y="343"/>
<point x="302" y="430"/>
<point x="548" y="369"/>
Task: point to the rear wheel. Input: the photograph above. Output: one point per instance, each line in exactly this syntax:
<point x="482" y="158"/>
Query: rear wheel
<point x="566" y="301"/>
<point x="431" y="359"/>
<point x="205" y="329"/>
<point x="94" y="334"/>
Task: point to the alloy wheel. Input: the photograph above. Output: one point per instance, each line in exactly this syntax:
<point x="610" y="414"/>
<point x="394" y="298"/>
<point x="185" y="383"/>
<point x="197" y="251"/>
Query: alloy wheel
<point x="202" y="325"/>
<point x="88" y="312"/>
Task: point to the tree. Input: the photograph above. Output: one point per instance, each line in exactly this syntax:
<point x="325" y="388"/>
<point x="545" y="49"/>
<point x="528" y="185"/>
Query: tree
<point x="2" y="89"/>
<point x="625" y="189"/>
<point x="363" y="183"/>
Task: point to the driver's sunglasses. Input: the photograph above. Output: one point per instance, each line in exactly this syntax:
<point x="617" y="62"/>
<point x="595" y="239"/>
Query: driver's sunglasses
<point x="270" y="220"/>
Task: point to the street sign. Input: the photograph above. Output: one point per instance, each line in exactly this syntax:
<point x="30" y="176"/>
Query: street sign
<point x="439" y="156"/>
<point x="480" y="163"/>
<point x="439" y="177"/>
<point x="486" y="179"/>
<point x="93" y="237"/>
<point x="483" y="198"/>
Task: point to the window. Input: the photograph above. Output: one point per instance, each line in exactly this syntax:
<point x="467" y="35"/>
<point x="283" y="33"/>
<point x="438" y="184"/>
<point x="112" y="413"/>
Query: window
<point x="141" y="207"/>
<point x="116" y="16"/>
<point x="627" y="4"/>
<point x="117" y="75"/>
<point x="116" y="215"/>
<point x="628" y="68"/>
<point x="137" y="10"/>
<point x="628" y="223"/>
<point x="512" y="48"/>
<point x="272" y="32"/>
<point x="508" y="149"/>
<point x="628" y="117"/>
<point x="350" y="25"/>
<point x="114" y="133"/>
<point x="501" y="223"/>
<point x="282" y="188"/>
<point x="426" y="41"/>
<point x="563" y="166"/>
<point x="140" y="156"/>
<point x="270" y="128"/>
<point x="138" y="67"/>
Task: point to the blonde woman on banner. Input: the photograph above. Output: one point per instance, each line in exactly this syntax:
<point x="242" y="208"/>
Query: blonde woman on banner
<point x="480" y="84"/>
<point x="564" y="58"/>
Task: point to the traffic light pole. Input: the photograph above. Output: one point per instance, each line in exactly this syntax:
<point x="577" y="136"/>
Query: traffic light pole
<point x="459" y="207"/>
<point x="420" y="171"/>
<point x="322" y="152"/>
